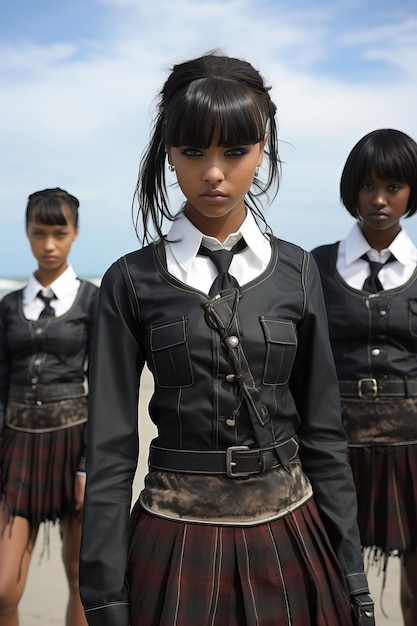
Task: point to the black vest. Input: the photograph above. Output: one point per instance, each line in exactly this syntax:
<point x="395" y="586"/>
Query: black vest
<point x="372" y="335"/>
<point x="48" y="350"/>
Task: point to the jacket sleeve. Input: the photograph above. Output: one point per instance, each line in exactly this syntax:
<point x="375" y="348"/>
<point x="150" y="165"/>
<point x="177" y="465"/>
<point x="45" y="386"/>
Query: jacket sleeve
<point x="112" y="452"/>
<point x="323" y="447"/>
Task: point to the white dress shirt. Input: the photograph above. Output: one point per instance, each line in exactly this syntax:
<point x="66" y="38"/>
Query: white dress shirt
<point x="355" y="270"/>
<point x="184" y="241"/>
<point x="65" y="289"/>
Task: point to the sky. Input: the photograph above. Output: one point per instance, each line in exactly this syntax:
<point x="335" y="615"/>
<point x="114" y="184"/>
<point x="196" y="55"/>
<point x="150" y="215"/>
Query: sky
<point x="78" y="86"/>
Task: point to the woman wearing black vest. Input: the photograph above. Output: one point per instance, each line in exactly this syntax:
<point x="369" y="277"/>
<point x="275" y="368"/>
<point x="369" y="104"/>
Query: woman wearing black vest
<point x="370" y="289"/>
<point x="45" y="337"/>
<point x="248" y="515"/>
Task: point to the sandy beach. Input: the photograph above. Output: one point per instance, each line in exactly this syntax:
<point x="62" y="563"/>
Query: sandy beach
<point x="45" y="596"/>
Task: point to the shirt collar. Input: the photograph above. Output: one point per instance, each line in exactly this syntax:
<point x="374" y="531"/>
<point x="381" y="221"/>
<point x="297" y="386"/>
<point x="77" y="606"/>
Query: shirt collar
<point x="185" y="239"/>
<point x="65" y="284"/>
<point x="403" y="248"/>
<point x="356" y="245"/>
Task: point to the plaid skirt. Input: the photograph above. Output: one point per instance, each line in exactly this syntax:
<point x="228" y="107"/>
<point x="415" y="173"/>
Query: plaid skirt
<point x="37" y="469"/>
<point x="278" y="573"/>
<point x="383" y="458"/>
<point x="386" y="484"/>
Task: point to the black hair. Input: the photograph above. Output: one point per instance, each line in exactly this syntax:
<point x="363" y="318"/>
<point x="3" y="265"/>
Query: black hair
<point x="210" y="95"/>
<point x="389" y="154"/>
<point x="47" y="206"/>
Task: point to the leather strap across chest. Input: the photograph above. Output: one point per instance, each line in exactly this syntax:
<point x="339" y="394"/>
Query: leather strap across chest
<point x="221" y="316"/>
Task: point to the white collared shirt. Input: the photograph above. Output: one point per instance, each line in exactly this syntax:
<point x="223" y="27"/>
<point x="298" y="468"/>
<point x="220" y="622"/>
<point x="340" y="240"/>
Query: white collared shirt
<point x="199" y="271"/>
<point x="354" y="270"/>
<point x="65" y="288"/>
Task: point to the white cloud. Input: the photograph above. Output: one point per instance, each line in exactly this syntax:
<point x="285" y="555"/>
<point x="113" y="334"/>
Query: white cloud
<point x="78" y="115"/>
<point x="27" y="57"/>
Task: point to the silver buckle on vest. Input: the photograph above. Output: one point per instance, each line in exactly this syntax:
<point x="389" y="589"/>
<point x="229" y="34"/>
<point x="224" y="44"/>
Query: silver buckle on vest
<point x="373" y="387"/>
<point x="230" y="464"/>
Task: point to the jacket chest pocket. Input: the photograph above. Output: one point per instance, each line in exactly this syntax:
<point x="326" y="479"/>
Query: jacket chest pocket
<point x="170" y="355"/>
<point x="281" y="348"/>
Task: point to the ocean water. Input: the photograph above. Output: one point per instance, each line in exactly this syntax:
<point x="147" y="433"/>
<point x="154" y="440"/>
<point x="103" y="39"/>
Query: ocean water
<point x="11" y="284"/>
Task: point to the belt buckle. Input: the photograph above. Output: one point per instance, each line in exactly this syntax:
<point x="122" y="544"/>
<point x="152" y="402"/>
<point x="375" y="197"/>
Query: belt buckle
<point x="372" y="382"/>
<point x="230" y="464"/>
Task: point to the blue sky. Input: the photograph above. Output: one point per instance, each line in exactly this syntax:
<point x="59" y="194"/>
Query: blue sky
<point x="78" y="82"/>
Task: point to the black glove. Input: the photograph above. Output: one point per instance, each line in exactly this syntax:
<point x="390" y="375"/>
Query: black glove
<point x="363" y="613"/>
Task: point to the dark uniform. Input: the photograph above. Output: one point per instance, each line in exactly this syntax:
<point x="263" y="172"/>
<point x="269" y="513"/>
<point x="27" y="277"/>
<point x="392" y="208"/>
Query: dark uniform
<point x="227" y="529"/>
<point x="374" y="342"/>
<point x="43" y="405"/>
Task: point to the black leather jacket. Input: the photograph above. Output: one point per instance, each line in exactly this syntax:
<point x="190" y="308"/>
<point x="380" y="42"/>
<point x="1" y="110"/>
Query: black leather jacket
<point x="146" y="315"/>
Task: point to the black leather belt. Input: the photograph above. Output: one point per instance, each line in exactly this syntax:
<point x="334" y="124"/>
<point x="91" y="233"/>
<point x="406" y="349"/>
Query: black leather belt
<point x="371" y="388"/>
<point x="37" y="394"/>
<point x="235" y="462"/>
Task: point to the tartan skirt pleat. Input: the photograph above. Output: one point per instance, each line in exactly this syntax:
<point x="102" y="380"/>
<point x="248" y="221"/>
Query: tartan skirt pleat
<point x="38" y="472"/>
<point x="278" y="573"/>
<point x="386" y="484"/>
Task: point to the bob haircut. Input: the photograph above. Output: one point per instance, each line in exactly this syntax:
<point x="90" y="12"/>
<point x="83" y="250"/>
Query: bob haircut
<point x="387" y="152"/>
<point x="210" y="98"/>
<point x="47" y="207"/>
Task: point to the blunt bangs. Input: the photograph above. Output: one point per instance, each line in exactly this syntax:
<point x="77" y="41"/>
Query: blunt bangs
<point x="47" y="207"/>
<point x="49" y="212"/>
<point x="389" y="161"/>
<point x="205" y="111"/>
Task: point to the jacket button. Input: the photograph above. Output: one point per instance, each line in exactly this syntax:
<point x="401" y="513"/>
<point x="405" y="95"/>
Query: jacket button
<point x="230" y="378"/>
<point x="231" y="421"/>
<point x="383" y="313"/>
<point x="233" y="341"/>
<point x="376" y="352"/>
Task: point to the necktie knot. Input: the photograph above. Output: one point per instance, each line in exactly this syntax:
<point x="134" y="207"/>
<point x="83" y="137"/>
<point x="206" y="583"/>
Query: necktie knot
<point x="222" y="259"/>
<point x="48" y="311"/>
<point x="372" y="283"/>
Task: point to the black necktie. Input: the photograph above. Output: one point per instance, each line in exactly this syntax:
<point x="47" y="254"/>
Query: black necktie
<point x="48" y="311"/>
<point x="372" y="284"/>
<point x="222" y="259"/>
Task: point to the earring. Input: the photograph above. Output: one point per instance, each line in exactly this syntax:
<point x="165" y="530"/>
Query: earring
<point x="171" y="167"/>
<point x="256" y="172"/>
